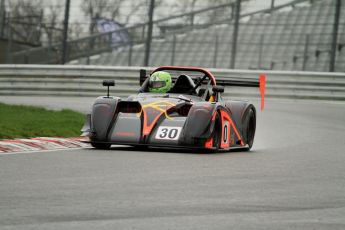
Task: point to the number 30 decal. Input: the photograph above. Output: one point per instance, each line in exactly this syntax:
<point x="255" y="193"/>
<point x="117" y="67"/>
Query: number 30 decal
<point x="168" y="133"/>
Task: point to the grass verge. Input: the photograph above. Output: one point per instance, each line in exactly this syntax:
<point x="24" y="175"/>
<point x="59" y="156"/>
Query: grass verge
<point x="17" y="121"/>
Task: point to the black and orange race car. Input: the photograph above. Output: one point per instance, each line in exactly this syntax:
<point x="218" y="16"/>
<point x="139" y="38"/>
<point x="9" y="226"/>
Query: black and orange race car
<point x="191" y="115"/>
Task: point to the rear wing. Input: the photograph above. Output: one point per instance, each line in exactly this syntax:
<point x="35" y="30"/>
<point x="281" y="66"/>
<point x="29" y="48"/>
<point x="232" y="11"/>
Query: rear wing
<point x="247" y="82"/>
<point x="242" y="82"/>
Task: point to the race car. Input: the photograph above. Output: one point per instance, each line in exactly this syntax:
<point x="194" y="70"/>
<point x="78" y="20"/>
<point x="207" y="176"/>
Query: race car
<point x="191" y="115"/>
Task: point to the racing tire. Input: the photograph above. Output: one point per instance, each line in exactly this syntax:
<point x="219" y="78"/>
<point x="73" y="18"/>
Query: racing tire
<point x="100" y="145"/>
<point x="250" y="126"/>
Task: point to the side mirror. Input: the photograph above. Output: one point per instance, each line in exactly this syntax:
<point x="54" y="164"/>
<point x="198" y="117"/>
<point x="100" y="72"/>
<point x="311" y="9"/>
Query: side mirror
<point x="218" y="89"/>
<point x="108" y="83"/>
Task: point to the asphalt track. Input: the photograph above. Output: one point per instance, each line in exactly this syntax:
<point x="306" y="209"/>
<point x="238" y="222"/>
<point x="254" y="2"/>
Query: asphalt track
<point x="294" y="178"/>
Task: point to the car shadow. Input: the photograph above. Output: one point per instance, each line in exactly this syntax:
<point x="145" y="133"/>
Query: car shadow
<point x="175" y="150"/>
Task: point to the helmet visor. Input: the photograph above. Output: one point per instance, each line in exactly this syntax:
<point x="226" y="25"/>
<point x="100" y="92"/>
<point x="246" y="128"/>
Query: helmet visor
<point x="156" y="84"/>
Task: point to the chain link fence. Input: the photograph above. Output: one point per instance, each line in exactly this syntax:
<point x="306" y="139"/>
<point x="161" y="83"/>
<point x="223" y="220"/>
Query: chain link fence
<point x="298" y="35"/>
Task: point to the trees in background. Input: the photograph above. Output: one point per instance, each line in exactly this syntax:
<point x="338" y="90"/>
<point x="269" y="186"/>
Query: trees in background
<point x="23" y="21"/>
<point x="33" y="23"/>
<point x="52" y="23"/>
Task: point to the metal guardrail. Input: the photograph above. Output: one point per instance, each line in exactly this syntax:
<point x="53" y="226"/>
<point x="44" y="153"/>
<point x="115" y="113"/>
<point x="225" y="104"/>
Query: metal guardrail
<point x="59" y="80"/>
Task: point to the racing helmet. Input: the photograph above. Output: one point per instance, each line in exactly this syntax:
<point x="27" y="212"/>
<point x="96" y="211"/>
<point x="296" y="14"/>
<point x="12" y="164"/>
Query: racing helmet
<point x="160" y="82"/>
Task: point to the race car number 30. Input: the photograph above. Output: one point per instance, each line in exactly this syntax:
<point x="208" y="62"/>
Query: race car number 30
<point x="168" y="133"/>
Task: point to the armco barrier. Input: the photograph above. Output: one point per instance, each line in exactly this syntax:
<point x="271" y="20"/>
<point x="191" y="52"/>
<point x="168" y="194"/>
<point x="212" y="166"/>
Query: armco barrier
<point x="58" y="80"/>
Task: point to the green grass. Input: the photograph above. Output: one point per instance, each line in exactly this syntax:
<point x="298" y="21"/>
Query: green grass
<point x="17" y="121"/>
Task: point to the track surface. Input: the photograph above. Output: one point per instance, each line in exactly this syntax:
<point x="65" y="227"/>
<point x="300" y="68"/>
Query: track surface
<point x="293" y="179"/>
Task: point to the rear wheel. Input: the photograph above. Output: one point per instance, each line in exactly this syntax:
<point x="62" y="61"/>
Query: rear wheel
<point x="250" y="124"/>
<point x="100" y="145"/>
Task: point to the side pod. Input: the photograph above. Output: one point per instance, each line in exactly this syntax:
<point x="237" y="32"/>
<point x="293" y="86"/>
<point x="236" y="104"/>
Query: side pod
<point x="103" y="112"/>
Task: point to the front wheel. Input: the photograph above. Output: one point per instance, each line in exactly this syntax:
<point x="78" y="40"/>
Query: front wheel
<point x="100" y="145"/>
<point x="250" y="124"/>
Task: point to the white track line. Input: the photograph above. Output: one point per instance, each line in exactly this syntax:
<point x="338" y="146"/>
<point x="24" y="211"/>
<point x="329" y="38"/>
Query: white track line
<point x="42" y="151"/>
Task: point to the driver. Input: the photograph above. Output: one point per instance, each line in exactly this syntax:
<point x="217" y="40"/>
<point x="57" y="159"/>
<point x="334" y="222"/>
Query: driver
<point x="160" y="82"/>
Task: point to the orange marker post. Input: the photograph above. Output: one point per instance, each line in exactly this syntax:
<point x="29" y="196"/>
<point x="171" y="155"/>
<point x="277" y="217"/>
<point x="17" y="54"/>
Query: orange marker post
<point x="262" y="90"/>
